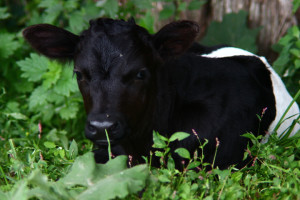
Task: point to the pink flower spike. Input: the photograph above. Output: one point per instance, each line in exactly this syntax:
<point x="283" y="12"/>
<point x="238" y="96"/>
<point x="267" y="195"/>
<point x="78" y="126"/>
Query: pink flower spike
<point x="263" y="111"/>
<point x="40" y="127"/>
<point x="217" y="142"/>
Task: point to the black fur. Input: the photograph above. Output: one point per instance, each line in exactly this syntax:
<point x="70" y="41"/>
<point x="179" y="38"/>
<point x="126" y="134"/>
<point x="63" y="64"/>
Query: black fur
<point x="133" y="83"/>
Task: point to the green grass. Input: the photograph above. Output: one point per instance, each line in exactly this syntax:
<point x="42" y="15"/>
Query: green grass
<point x="36" y="165"/>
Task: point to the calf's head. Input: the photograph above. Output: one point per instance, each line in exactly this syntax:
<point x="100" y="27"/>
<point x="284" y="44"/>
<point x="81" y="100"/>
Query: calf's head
<point x="116" y="64"/>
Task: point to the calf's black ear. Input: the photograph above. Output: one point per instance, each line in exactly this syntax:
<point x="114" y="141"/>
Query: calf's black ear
<point x="51" y="41"/>
<point x="175" y="38"/>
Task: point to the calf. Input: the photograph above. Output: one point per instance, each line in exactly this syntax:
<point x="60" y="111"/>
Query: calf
<point x="133" y="82"/>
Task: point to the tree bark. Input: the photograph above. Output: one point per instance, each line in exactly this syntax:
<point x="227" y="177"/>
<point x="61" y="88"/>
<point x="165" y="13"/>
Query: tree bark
<point x="273" y="17"/>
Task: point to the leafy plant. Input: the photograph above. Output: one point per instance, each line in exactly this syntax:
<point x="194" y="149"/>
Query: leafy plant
<point x="42" y="120"/>
<point x="287" y="64"/>
<point x="85" y="180"/>
<point x="232" y="31"/>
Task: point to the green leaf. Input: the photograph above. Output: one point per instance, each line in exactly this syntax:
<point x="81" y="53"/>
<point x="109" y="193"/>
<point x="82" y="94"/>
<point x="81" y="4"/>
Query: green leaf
<point x="49" y="145"/>
<point x="105" y="181"/>
<point x="34" y="67"/>
<point x="158" y="142"/>
<point x="147" y="22"/>
<point x="52" y="75"/>
<point x="167" y="11"/>
<point x="73" y="150"/>
<point x="118" y="185"/>
<point x="77" y="22"/>
<point x="81" y="172"/>
<point x="183" y="153"/>
<point x="295" y="52"/>
<point x="38" y="97"/>
<point x="296" y="5"/>
<point x="111" y="8"/>
<point x="194" y="164"/>
<point x="196" y="4"/>
<point x="164" y="178"/>
<point x="66" y="83"/>
<point x="19" y="191"/>
<point x="69" y="111"/>
<point x="3" y="13"/>
<point x="179" y="136"/>
<point x="143" y="4"/>
<point x="232" y="31"/>
<point x="296" y="32"/>
<point x="8" y="45"/>
<point x="18" y="116"/>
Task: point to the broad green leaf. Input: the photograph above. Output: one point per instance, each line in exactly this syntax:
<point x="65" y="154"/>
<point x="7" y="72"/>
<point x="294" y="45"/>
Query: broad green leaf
<point x="182" y="7"/>
<point x="295" y="52"/>
<point x="73" y="150"/>
<point x="3" y="13"/>
<point x="47" y="112"/>
<point x="143" y="4"/>
<point x="179" y="136"/>
<point x="183" y="153"/>
<point x="296" y="5"/>
<point x="111" y="8"/>
<point x="69" y="111"/>
<point x="52" y="10"/>
<point x="158" y="142"/>
<point x="3" y="196"/>
<point x="66" y="83"/>
<point x="118" y="185"/>
<point x="171" y="163"/>
<point x="105" y="181"/>
<point x="18" y="116"/>
<point x="167" y="11"/>
<point x="147" y="22"/>
<point x="19" y="191"/>
<point x="52" y="75"/>
<point x="33" y="67"/>
<point x="77" y="22"/>
<point x="38" y="97"/>
<point x="81" y="172"/>
<point x="194" y="164"/>
<point x="163" y="178"/>
<point x="296" y="31"/>
<point x="232" y="31"/>
<point x="8" y="45"/>
<point x="196" y="4"/>
<point x="12" y="106"/>
<point x="49" y="145"/>
<point x="223" y="174"/>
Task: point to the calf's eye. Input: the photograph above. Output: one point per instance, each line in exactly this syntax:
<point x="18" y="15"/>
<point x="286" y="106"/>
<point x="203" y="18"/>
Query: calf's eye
<point x="141" y="75"/>
<point x="78" y="75"/>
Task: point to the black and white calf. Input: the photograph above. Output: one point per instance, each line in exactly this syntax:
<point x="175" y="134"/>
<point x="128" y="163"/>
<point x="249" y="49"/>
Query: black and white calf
<point x="133" y="82"/>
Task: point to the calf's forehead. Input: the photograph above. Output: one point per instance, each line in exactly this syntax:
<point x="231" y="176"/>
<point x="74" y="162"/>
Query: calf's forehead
<point x="99" y="48"/>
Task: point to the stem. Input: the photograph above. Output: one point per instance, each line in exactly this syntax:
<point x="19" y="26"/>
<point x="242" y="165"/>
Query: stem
<point x="12" y="146"/>
<point x="109" y="148"/>
<point x="286" y="111"/>
<point x="213" y="163"/>
<point x="4" y="176"/>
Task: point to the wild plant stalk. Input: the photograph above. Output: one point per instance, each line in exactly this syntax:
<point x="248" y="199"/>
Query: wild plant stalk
<point x="4" y="176"/>
<point x="109" y="147"/>
<point x="285" y="112"/>
<point x="217" y="145"/>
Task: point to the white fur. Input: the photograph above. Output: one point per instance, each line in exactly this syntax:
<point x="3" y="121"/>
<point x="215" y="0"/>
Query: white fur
<point x="282" y="96"/>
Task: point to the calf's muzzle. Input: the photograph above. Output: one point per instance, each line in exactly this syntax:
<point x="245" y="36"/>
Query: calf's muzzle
<point x="96" y="128"/>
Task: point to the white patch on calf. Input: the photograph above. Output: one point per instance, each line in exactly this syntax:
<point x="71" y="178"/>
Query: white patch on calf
<point x="282" y="96"/>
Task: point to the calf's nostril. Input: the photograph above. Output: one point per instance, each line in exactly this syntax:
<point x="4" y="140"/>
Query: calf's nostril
<point x="91" y="128"/>
<point x="114" y="126"/>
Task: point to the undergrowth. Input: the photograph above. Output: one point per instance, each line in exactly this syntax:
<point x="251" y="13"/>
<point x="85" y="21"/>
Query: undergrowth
<point x="44" y="154"/>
